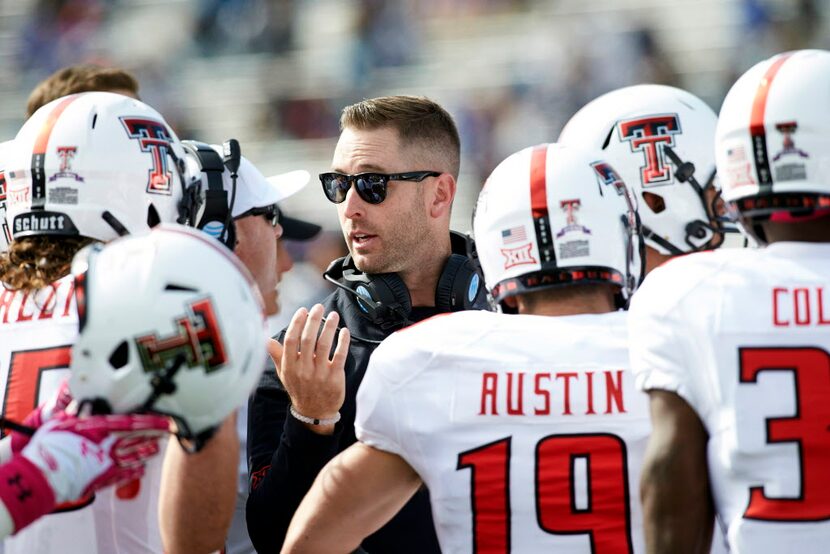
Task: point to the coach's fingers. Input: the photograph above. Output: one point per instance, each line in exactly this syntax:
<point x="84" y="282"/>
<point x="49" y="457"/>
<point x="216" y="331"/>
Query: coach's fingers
<point x="338" y="361"/>
<point x="291" y="342"/>
<point x="308" y="340"/>
<point x="326" y="339"/>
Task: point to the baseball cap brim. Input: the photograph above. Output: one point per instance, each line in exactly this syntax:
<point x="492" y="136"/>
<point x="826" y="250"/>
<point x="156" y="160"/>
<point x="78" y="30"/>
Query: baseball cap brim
<point x="297" y="229"/>
<point x="289" y="183"/>
<point x="254" y="190"/>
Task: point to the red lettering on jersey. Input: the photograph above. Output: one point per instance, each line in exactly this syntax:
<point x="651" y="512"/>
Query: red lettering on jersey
<point x="543" y="393"/>
<point x="590" y="388"/>
<point x="798" y="310"/>
<point x="821" y="320"/>
<point x="6" y="298"/>
<point x="614" y="391"/>
<point x="807" y="428"/>
<point x="566" y="407"/>
<point x="805" y="302"/>
<point x="489" y="386"/>
<point x="518" y="410"/>
<point x="49" y="304"/>
<point x="69" y="295"/>
<point x="20" y="315"/>
<point x="776" y="319"/>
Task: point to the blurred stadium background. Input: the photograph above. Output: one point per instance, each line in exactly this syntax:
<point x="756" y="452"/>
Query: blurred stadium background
<point x="275" y="73"/>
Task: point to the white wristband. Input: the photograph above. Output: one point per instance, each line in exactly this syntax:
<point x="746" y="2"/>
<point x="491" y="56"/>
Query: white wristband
<point x="312" y="420"/>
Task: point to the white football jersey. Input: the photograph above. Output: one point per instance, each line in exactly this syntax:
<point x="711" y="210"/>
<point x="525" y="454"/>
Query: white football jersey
<point x="527" y="430"/>
<point x="744" y="337"/>
<point x="36" y="336"/>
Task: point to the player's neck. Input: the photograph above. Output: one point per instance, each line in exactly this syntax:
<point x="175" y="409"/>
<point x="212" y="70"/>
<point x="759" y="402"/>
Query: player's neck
<point x="817" y="230"/>
<point x="597" y="299"/>
<point x="654" y="259"/>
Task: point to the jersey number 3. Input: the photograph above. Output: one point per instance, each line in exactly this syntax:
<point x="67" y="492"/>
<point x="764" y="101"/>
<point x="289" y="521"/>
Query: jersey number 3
<point x="603" y="514"/>
<point x="808" y="428"/>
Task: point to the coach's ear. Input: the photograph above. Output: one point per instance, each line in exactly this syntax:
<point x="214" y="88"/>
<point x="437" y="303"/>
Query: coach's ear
<point x="511" y="303"/>
<point x="443" y="193"/>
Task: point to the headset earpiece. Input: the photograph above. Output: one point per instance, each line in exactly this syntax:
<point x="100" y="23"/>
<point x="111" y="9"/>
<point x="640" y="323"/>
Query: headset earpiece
<point x="211" y="211"/>
<point x="384" y="299"/>
<point x="458" y="286"/>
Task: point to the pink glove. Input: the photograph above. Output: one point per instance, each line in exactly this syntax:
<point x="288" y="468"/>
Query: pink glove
<point x="70" y="457"/>
<point x="43" y="413"/>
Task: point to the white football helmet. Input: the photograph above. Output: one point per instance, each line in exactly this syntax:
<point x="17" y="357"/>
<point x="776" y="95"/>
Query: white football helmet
<point x="554" y="215"/>
<point x="5" y="231"/>
<point x="772" y="143"/>
<point x="94" y="164"/>
<point x="171" y="322"/>
<point x="660" y="139"/>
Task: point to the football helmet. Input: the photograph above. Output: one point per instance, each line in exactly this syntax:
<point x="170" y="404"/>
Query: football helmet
<point x="660" y="140"/>
<point x="171" y="323"/>
<point x="555" y="215"/>
<point x="772" y="145"/>
<point x="94" y="164"/>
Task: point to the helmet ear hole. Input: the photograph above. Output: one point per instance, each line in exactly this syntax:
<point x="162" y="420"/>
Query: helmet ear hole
<point x="120" y="356"/>
<point x="654" y="201"/>
<point x="153" y="218"/>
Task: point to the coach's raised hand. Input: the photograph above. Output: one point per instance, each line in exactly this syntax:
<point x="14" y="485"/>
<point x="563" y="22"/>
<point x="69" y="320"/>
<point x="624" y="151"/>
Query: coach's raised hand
<point x="312" y="375"/>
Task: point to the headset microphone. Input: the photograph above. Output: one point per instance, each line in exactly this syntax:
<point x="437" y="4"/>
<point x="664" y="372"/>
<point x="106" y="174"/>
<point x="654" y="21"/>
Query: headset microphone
<point x="231" y="158"/>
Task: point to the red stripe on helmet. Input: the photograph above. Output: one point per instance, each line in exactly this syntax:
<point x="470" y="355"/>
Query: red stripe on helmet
<point x="42" y="140"/>
<point x="38" y="163"/>
<point x="538" y="179"/>
<point x="757" y="130"/>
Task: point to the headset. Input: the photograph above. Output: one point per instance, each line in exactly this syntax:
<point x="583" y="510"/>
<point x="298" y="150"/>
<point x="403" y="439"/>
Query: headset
<point x="384" y="299"/>
<point x="208" y="207"/>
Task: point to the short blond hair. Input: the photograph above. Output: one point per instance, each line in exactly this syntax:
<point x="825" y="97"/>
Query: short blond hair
<point x="417" y="120"/>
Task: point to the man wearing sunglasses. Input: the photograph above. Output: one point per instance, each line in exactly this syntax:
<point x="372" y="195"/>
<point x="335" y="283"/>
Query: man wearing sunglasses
<point x="393" y="180"/>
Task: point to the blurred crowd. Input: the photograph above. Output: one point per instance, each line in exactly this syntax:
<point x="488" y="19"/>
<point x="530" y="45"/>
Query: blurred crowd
<point x="510" y="71"/>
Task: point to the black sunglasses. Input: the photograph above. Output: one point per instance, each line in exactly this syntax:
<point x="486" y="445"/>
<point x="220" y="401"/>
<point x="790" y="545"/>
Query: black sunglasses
<point x="271" y="214"/>
<point x="370" y="186"/>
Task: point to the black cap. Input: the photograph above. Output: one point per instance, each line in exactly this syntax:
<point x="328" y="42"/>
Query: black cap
<point x="297" y="229"/>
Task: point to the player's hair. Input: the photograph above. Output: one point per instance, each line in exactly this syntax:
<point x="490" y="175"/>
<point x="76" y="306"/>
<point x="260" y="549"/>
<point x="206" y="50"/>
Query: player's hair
<point x="80" y="78"/>
<point x="418" y="121"/>
<point x="32" y="263"/>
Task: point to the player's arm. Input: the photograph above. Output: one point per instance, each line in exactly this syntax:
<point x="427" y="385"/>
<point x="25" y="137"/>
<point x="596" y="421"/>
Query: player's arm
<point x="198" y="492"/>
<point x="674" y="486"/>
<point x="355" y="495"/>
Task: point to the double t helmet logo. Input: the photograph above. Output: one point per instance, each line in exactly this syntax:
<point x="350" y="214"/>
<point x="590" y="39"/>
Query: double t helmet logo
<point x="153" y="137"/>
<point x="651" y="135"/>
<point x="196" y="336"/>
